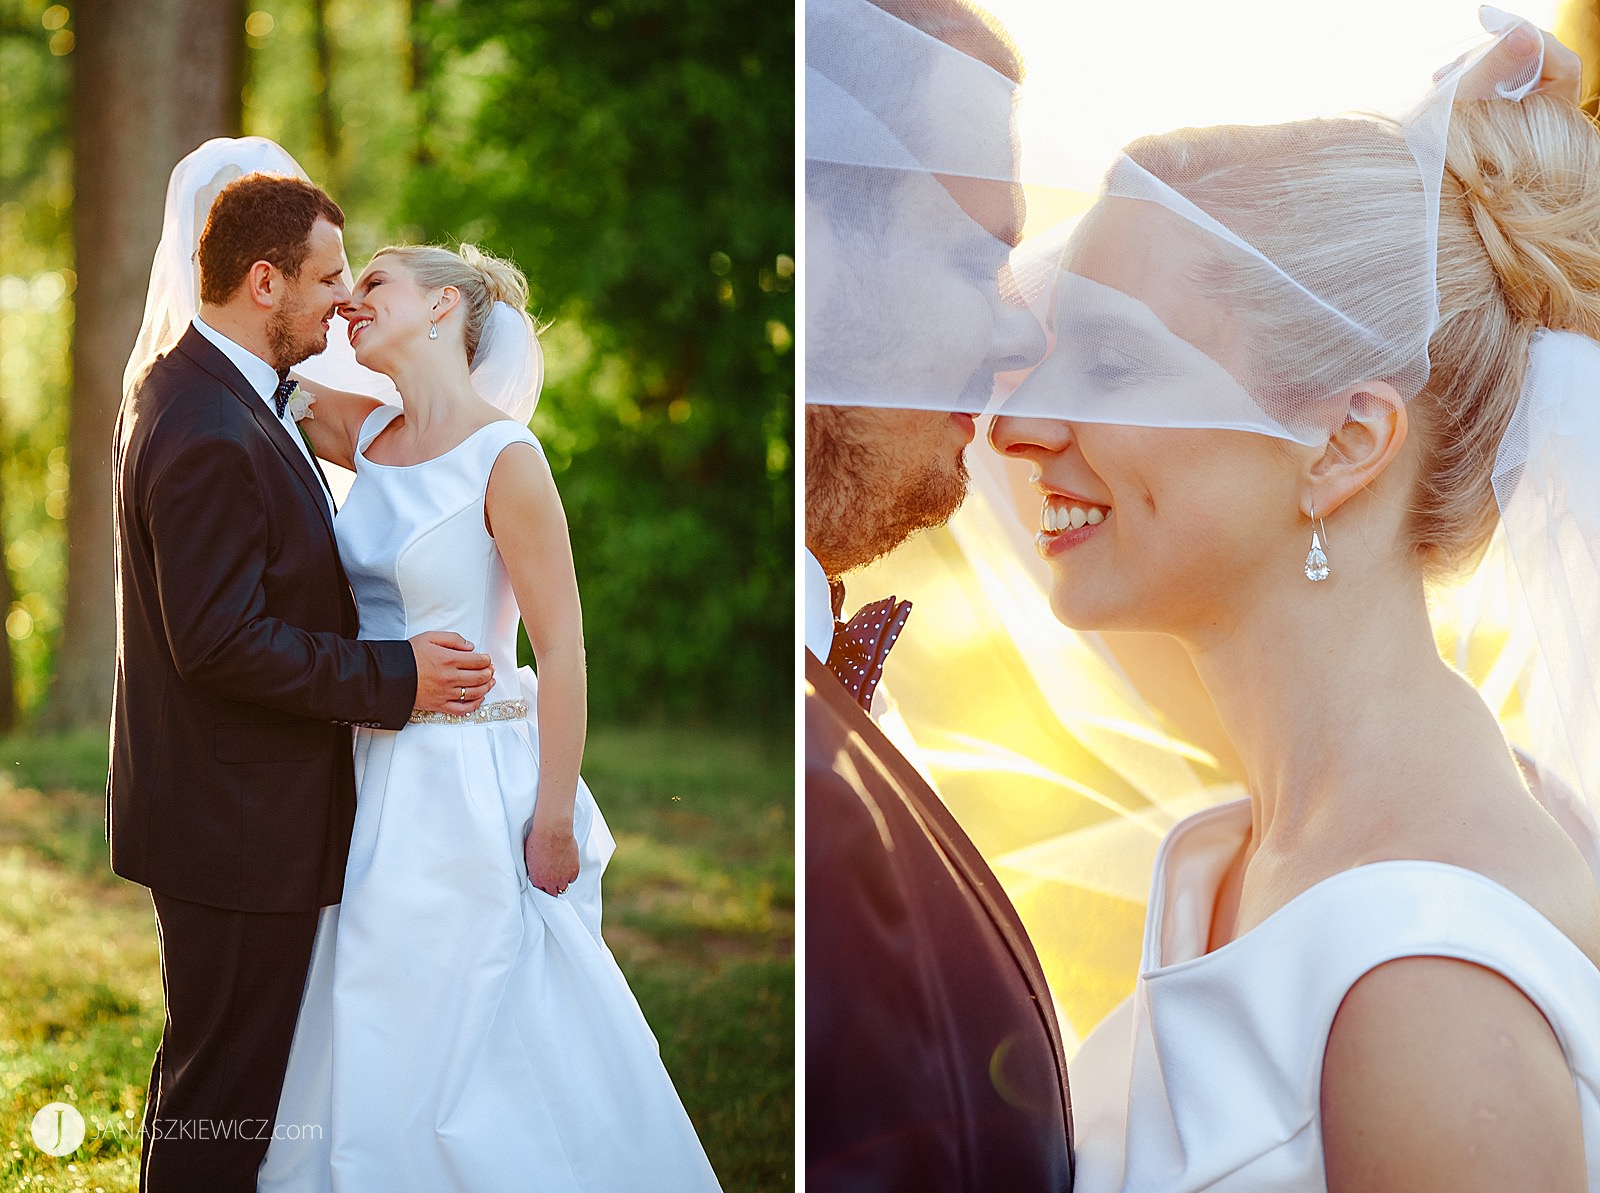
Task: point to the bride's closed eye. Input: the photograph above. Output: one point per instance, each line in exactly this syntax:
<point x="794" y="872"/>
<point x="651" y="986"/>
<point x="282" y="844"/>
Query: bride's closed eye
<point x="1114" y="368"/>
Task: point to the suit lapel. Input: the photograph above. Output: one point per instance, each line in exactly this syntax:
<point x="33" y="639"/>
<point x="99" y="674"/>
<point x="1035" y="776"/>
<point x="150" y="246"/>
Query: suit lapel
<point x="961" y="853"/>
<point x="210" y="358"/>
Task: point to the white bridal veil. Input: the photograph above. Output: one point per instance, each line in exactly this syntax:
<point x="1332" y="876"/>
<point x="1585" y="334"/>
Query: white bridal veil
<point x="1068" y="754"/>
<point x="509" y="366"/>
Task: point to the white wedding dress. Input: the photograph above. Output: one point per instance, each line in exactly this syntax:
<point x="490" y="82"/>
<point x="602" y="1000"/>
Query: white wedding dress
<point x="1209" y="1076"/>
<point x="461" y="1030"/>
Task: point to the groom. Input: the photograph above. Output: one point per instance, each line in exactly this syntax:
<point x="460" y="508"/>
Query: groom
<point x="933" y="1056"/>
<point x="231" y="792"/>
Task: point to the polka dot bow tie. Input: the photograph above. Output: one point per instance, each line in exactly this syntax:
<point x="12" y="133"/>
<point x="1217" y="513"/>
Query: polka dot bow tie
<point x="281" y="395"/>
<point x="861" y="645"/>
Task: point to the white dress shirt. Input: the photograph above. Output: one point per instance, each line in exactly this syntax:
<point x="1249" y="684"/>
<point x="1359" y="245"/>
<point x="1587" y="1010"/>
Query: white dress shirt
<point x="263" y="378"/>
<point x="819" y="608"/>
<point x="818" y="638"/>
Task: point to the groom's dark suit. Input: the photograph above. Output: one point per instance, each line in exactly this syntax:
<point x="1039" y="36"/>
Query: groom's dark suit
<point x="933" y="1057"/>
<point x="231" y="792"/>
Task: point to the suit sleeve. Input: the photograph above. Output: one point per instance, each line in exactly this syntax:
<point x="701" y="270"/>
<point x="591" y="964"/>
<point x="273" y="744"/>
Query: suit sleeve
<point x="207" y="522"/>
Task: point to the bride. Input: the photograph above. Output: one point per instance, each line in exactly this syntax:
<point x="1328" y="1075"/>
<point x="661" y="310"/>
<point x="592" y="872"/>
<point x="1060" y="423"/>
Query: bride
<point x="464" y="1026"/>
<point x="1256" y="435"/>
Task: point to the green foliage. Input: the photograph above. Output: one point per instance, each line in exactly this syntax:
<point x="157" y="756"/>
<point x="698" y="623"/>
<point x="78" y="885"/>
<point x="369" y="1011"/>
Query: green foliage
<point x="362" y="154"/>
<point x="636" y="159"/>
<point x="36" y="284"/>
<point x="699" y="912"/>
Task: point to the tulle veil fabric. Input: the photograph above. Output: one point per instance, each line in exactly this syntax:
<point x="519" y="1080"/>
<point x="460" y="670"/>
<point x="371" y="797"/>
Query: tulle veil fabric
<point x="1069" y="755"/>
<point x="508" y="371"/>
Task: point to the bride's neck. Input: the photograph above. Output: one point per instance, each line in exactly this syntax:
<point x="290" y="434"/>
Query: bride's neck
<point x="435" y="387"/>
<point x="1323" y="689"/>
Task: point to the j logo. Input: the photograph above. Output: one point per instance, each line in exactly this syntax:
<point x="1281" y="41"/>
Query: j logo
<point x="58" y="1129"/>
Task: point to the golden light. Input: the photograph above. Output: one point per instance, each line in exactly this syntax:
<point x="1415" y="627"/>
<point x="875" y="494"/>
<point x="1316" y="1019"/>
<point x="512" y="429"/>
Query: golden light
<point x="1067" y="757"/>
<point x="19" y="623"/>
<point x="259" y="24"/>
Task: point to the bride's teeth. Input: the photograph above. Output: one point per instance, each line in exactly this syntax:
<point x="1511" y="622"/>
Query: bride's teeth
<point x="1056" y="516"/>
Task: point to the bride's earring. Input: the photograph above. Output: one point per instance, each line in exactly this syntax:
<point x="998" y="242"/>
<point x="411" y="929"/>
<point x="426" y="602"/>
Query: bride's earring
<point x="1316" y="559"/>
<point x="433" y="331"/>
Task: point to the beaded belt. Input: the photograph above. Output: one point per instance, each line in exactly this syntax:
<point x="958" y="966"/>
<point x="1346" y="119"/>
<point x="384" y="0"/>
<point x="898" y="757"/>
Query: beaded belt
<point x="500" y="710"/>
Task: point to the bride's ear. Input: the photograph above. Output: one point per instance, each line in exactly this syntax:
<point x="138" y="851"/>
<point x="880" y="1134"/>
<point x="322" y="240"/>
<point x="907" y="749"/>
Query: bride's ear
<point x="449" y="298"/>
<point x="1357" y="453"/>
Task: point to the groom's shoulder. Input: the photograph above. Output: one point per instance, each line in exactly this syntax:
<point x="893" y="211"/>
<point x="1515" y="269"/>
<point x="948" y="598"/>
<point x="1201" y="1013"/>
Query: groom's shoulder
<point x="833" y="720"/>
<point x="847" y="756"/>
<point x="179" y="399"/>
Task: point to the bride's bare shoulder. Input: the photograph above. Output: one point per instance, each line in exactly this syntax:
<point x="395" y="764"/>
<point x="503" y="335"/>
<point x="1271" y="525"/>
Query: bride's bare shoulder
<point x="1513" y="839"/>
<point x="1441" y="1075"/>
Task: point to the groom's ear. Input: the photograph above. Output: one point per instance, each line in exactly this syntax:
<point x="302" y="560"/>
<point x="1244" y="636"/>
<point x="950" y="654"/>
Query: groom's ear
<point x="263" y="284"/>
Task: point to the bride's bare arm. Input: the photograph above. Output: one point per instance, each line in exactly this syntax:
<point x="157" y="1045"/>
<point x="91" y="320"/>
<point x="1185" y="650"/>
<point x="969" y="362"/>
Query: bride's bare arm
<point x="334" y="421"/>
<point x="1441" y="1075"/>
<point x="524" y="514"/>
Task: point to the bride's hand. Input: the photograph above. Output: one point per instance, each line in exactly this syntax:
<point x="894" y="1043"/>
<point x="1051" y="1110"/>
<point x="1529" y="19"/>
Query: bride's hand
<point x="1562" y="76"/>
<point x="551" y="855"/>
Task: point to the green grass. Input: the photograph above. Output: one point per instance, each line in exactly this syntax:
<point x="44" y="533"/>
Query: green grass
<point x="699" y="912"/>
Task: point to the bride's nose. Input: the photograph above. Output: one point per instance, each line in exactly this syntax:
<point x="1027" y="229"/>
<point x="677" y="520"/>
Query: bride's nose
<point x="1022" y="437"/>
<point x="1018" y="341"/>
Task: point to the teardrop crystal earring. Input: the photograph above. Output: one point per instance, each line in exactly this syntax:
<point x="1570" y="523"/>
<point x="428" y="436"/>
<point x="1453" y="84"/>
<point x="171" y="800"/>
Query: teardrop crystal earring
<point x="433" y="331"/>
<point x="1316" y="559"/>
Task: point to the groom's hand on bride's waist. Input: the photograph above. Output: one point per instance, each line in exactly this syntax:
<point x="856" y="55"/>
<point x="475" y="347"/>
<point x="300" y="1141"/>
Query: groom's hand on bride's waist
<point x="451" y="677"/>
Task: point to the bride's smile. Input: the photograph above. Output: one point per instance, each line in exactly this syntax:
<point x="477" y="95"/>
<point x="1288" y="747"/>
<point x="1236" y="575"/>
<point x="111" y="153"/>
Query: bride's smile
<point x="388" y="310"/>
<point x="1066" y="520"/>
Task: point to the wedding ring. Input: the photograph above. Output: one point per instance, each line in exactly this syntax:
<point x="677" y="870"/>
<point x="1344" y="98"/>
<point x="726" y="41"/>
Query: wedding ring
<point x="463" y="695"/>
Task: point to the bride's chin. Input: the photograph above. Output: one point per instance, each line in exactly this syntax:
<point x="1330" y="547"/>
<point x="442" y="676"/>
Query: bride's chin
<point x="1082" y="611"/>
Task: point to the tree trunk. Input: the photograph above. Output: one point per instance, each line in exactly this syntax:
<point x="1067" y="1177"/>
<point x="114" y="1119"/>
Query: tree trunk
<point x="152" y="80"/>
<point x="420" y="85"/>
<point x="327" y="126"/>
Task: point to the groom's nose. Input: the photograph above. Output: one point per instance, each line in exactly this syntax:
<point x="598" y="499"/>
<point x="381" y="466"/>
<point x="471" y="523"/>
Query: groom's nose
<point x="341" y="295"/>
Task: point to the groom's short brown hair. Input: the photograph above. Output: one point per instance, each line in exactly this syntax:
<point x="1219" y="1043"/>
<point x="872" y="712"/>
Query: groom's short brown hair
<point x="260" y="217"/>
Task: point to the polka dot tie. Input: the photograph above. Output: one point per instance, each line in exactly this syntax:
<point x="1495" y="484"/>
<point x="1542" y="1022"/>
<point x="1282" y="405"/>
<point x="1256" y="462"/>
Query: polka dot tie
<point x="861" y="645"/>
<point x="281" y="395"/>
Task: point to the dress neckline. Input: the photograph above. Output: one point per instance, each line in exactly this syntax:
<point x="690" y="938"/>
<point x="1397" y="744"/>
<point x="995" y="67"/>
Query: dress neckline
<point x="1152" y="962"/>
<point x="361" y="450"/>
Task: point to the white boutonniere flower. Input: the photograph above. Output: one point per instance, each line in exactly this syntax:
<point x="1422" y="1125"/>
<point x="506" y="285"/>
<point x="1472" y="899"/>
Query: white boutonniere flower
<point x="300" y="405"/>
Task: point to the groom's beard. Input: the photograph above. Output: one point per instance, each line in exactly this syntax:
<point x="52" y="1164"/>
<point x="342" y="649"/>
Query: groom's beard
<point x="868" y="492"/>
<point x="289" y="341"/>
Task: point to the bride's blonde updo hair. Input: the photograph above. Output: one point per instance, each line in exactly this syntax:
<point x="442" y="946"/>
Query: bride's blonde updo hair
<point x="1333" y="203"/>
<point x="482" y="279"/>
<point x="1519" y="249"/>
